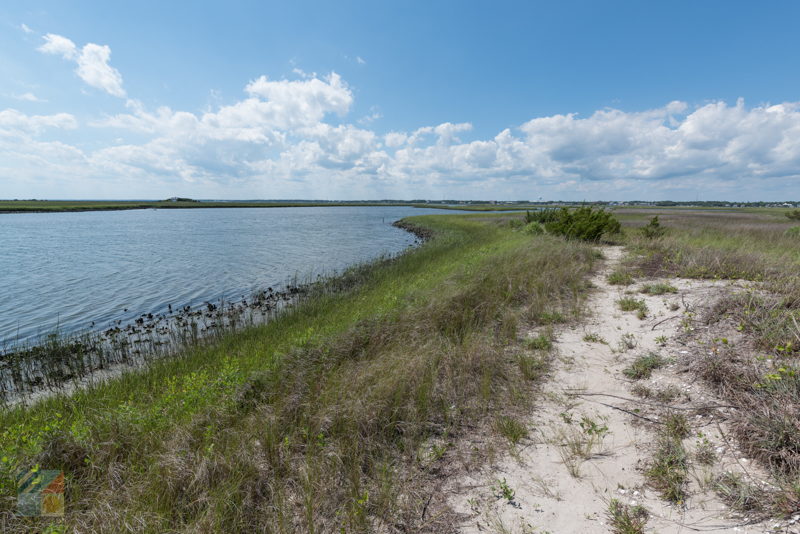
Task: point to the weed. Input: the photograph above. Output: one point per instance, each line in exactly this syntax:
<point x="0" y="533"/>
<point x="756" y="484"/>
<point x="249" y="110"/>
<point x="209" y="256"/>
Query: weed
<point x="539" y="342"/>
<point x="628" y="304"/>
<point x="532" y="367"/>
<point x="619" y="278"/>
<point x="579" y="440"/>
<point x="504" y="491"/>
<point x="592" y="337"/>
<point x="627" y="342"/>
<point x="661" y="340"/>
<point x="511" y="429"/>
<point x="643" y="366"/>
<point x="668" y="469"/>
<point x="625" y="519"/>
<point x="739" y="494"/>
<point x="665" y="395"/>
<point x="704" y="452"/>
<point x="676" y="425"/>
<point x="658" y="289"/>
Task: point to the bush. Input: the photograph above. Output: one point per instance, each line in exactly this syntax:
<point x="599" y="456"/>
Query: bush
<point x="653" y="229"/>
<point x="534" y="228"/>
<point x="793" y="215"/>
<point x="542" y="216"/>
<point x="585" y="223"/>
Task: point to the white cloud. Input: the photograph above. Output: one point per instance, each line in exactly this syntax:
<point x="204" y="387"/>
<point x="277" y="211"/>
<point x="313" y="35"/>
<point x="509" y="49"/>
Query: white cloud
<point x="288" y="138"/>
<point x="92" y="60"/>
<point x="15" y="123"/>
<point x="25" y="28"/>
<point x="58" y="45"/>
<point x="28" y="97"/>
<point x="360" y="60"/>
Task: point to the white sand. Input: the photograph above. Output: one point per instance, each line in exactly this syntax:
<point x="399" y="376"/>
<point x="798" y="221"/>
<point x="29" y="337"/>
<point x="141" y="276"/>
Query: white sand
<point x="547" y="497"/>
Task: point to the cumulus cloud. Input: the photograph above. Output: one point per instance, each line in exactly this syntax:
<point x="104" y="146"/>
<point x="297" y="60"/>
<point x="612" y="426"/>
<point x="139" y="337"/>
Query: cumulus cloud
<point x="15" y="123"/>
<point x="92" y="60"/>
<point x="290" y="138"/>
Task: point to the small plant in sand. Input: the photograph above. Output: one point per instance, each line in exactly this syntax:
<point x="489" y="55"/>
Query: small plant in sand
<point x="504" y="491"/>
<point x="579" y="440"/>
<point x="628" y="304"/>
<point x="661" y="340"/>
<point x="511" y="429"/>
<point x="625" y="519"/>
<point x="593" y="337"/>
<point x="627" y="342"/>
<point x="619" y="278"/>
<point x="658" y="289"/>
<point x="704" y="452"/>
<point x="643" y="366"/>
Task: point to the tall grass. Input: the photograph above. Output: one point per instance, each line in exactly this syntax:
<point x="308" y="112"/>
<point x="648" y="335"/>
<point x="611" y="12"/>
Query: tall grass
<point x="323" y="420"/>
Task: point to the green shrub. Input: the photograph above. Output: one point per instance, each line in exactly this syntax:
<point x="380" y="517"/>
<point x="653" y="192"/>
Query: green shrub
<point x="794" y="215"/>
<point x="653" y="229"/>
<point x="584" y="223"/>
<point x="534" y="228"/>
<point x="542" y="216"/>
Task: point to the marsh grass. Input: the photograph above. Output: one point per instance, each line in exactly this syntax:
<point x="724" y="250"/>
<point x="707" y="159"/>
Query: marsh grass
<point x="313" y="422"/>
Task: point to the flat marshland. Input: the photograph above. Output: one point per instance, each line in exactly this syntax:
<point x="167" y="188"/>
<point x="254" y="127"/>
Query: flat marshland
<point x="350" y="411"/>
<point x="331" y="417"/>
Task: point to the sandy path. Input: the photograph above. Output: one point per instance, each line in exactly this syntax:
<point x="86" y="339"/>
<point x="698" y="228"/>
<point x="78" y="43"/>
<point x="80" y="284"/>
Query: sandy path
<point x="547" y="497"/>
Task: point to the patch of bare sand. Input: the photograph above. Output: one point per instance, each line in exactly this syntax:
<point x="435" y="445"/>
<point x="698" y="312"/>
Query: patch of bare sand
<point x="591" y="439"/>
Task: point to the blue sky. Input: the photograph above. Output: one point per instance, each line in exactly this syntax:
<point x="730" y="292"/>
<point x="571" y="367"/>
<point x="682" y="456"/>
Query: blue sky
<point x="345" y="100"/>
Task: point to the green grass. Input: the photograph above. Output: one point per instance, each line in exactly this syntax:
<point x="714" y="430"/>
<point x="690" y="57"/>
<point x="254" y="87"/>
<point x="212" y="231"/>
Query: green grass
<point x="643" y="366"/>
<point x="312" y="422"/>
<point x="658" y="289"/>
<point x="628" y="304"/>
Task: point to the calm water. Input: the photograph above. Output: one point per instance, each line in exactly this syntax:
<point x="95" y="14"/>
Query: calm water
<point x="67" y="270"/>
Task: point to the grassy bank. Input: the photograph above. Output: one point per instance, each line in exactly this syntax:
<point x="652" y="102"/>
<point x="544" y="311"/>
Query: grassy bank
<point x="56" y="206"/>
<point x="334" y="417"/>
<point x="749" y="343"/>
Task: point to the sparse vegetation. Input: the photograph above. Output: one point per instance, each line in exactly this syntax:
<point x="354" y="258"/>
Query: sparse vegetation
<point x="643" y="366"/>
<point x="628" y="304"/>
<point x="626" y="519"/>
<point x="619" y="278"/>
<point x="658" y="289"/>
<point x="593" y="337"/>
<point x="668" y="469"/>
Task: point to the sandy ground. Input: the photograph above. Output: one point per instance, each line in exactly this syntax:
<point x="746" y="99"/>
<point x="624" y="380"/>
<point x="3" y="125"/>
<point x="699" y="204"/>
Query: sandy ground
<point x="557" y="492"/>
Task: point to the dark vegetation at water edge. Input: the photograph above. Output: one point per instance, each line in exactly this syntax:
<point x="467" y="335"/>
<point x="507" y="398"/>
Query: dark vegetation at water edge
<point x="338" y="415"/>
<point x="57" y="360"/>
<point x="751" y="355"/>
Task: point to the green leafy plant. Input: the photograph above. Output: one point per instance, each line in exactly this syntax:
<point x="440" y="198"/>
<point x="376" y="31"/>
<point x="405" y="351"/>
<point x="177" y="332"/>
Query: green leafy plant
<point x="643" y="366"/>
<point x="584" y="223"/>
<point x="653" y="229"/>
<point x="625" y="519"/>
